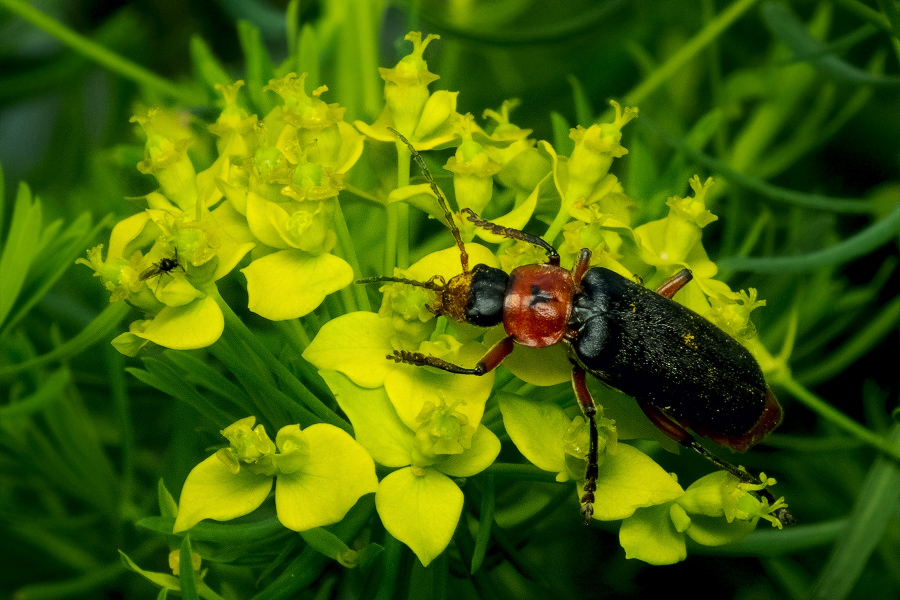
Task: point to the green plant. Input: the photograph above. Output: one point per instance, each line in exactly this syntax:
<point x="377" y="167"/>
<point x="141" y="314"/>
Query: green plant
<point x="271" y="191"/>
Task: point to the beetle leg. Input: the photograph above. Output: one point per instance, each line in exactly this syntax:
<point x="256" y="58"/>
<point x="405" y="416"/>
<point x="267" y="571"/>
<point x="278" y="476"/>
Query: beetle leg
<point x="488" y="362"/>
<point x="680" y="435"/>
<point x="589" y="409"/>
<point x="582" y="264"/>
<point x="674" y="283"/>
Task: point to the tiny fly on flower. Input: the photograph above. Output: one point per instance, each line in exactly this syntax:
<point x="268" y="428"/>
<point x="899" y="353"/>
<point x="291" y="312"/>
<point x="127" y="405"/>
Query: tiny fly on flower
<point x="165" y="266"/>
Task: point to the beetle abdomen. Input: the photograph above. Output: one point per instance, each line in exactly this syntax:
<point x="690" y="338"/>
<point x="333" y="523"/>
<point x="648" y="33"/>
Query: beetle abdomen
<point x="666" y="355"/>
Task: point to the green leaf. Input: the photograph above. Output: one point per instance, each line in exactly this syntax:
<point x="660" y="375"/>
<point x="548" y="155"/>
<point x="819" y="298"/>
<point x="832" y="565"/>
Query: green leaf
<point x="308" y="56"/>
<point x="19" y="248"/>
<point x="207" y="67"/>
<point x="329" y="545"/>
<point x="167" y="380"/>
<point x="421" y="511"/>
<point x="561" y="140"/>
<point x="785" y="26"/>
<point x="164" y="580"/>
<point x="258" y="66"/>
<point x="186" y="570"/>
<point x="50" y="390"/>
<point x="168" y="508"/>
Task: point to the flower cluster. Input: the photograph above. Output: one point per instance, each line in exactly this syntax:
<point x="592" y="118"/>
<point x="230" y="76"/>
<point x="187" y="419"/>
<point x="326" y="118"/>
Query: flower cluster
<point x="269" y="200"/>
<point x="271" y="192"/>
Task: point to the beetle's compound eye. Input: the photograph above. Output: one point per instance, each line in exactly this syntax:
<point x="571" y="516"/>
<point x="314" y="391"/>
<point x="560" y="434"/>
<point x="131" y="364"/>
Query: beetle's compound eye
<point x="484" y="306"/>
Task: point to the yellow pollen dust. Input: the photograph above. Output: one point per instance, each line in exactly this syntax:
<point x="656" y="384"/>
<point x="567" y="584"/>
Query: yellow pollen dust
<point x="689" y="340"/>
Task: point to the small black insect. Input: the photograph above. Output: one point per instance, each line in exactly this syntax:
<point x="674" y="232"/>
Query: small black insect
<point x="165" y="266"/>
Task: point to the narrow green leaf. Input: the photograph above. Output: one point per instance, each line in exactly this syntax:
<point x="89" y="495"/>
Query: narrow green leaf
<point x="19" y="249"/>
<point x="325" y="542"/>
<point x="308" y="56"/>
<point x="864" y="339"/>
<point x="224" y="533"/>
<point x="754" y="184"/>
<point x="186" y="571"/>
<point x="291" y="21"/>
<point x="561" y="140"/>
<point x="584" y="114"/>
<point x="96" y="330"/>
<point x="258" y="67"/>
<point x="168" y="507"/>
<point x="198" y="371"/>
<point x="207" y="67"/>
<point x="483" y="538"/>
<point x="53" y="261"/>
<point x="2" y="200"/>
<point x="875" y="507"/>
<point x="50" y="390"/>
<point x="790" y="31"/>
<point x="167" y="380"/>
<point x="867" y="240"/>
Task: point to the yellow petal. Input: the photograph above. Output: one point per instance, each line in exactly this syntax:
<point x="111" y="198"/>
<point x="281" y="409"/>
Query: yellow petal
<point x="291" y="283"/>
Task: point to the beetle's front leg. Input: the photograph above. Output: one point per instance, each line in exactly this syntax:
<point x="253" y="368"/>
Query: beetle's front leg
<point x="488" y="362"/>
<point x="589" y="409"/>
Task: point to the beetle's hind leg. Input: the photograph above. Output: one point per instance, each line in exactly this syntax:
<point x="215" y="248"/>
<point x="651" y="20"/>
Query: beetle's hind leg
<point x="681" y="435"/>
<point x="589" y="409"/>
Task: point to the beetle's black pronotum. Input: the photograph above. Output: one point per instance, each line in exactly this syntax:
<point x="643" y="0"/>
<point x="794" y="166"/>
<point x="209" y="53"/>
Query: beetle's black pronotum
<point x="684" y="372"/>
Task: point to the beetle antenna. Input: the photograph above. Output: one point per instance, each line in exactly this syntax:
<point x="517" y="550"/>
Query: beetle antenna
<point x="463" y="255"/>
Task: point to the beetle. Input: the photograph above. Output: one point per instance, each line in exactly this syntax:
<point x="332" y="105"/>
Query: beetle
<point x="165" y="266"/>
<point x="684" y="372"/>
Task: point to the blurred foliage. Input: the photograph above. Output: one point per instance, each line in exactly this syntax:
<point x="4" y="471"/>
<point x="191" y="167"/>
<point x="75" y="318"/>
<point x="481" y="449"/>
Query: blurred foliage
<point x="792" y="107"/>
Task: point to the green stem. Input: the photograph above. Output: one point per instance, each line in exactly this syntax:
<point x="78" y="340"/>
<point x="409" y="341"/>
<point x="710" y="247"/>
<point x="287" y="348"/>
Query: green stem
<point x="523" y="472"/>
<point x="403" y="167"/>
<point x="867" y="13"/>
<point x="558" y="221"/>
<point x="836" y="417"/>
<point x="348" y="249"/>
<point x="777" y="542"/>
<point x="674" y="66"/>
<point x="865" y="339"/>
<point x="99" y="54"/>
<point x="390" y="240"/>
<point x="862" y="243"/>
<point x="754" y="184"/>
